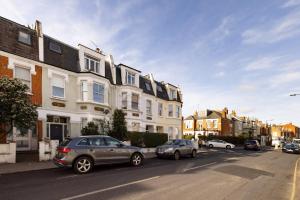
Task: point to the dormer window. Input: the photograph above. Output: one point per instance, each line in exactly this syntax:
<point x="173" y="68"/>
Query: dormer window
<point x="130" y="78"/>
<point x="159" y="88"/>
<point x="148" y="87"/>
<point x="92" y="64"/>
<point x="53" y="46"/>
<point x="24" y="38"/>
<point x="172" y="94"/>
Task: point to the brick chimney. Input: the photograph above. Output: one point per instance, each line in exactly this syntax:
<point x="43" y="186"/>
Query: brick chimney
<point x="224" y="113"/>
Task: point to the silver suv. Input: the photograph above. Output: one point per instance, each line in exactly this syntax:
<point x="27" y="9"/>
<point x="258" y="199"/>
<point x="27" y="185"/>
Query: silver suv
<point x="82" y="153"/>
<point x="176" y="148"/>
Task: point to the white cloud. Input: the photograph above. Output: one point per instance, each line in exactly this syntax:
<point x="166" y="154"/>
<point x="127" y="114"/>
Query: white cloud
<point x="262" y="63"/>
<point x="284" y="78"/>
<point x="291" y="3"/>
<point x="247" y="87"/>
<point x="219" y="74"/>
<point x="284" y="28"/>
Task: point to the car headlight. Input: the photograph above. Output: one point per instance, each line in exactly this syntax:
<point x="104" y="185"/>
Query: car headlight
<point x="169" y="149"/>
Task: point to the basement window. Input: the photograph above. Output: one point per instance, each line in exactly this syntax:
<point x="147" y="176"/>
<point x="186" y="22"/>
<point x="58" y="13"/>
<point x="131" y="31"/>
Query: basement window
<point x="55" y="47"/>
<point x="24" y="38"/>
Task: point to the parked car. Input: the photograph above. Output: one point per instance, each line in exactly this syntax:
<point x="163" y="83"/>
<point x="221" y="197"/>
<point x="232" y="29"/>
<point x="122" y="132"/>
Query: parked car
<point x="296" y="141"/>
<point x="176" y="149"/>
<point x="219" y="144"/>
<point x="82" y="153"/>
<point x="291" y="148"/>
<point x="252" y="145"/>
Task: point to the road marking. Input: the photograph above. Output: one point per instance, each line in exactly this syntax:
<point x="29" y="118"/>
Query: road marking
<point x="294" y="180"/>
<point x="200" y="166"/>
<point x="110" y="188"/>
<point x="71" y="176"/>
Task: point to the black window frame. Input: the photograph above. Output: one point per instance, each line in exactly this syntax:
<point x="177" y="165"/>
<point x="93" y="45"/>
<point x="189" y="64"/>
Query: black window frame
<point x="23" y="42"/>
<point x="55" y="44"/>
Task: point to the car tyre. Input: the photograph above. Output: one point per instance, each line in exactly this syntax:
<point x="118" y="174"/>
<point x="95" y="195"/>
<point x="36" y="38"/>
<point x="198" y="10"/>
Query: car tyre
<point x="136" y="159"/>
<point x="211" y="146"/>
<point x="176" y="155"/>
<point x="194" y="154"/>
<point x="83" y="165"/>
<point x="228" y="147"/>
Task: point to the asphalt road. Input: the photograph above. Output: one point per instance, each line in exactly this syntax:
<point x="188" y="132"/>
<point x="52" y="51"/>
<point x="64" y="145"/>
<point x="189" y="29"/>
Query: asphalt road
<point x="217" y="174"/>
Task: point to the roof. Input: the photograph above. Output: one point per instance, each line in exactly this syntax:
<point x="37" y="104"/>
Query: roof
<point x="108" y="73"/>
<point x="162" y="94"/>
<point x="68" y="59"/>
<point x="191" y="117"/>
<point x="143" y="82"/>
<point x="130" y="67"/>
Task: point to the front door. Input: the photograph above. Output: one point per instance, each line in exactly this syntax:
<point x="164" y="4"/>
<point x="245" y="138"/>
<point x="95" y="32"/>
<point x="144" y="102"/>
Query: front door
<point x="56" y="132"/>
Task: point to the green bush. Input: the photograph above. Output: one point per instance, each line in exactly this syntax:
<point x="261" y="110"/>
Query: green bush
<point x="231" y="139"/>
<point x="142" y="139"/>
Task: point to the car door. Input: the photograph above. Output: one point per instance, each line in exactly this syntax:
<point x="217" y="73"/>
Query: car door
<point x="100" y="151"/>
<point x="183" y="147"/>
<point x="116" y="151"/>
<point x="217" y="143"/>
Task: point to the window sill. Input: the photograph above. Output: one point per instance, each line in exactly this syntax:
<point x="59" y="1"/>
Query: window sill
<point x="58" y="98"/>
<point x="94" y="103"/>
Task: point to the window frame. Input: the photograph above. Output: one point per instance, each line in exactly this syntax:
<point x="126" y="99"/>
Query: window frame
<point x="177" y="111"/>
<point x="64" y="81"/>
<point x="24" y="42"/>
<point x="99" y="84"/>
<point x="130" y="76"/>
<point x="123" y="102"/>
<point x="96" y="66"/>
<point x="30" y="77"/>
<point x="160" y="109"/>
<point x="170" y="111"/>
<point x="51" y="44"/>
<point x="132" y="102"/>
<point x="148" y="109"/>
<point x="82" y="91"/>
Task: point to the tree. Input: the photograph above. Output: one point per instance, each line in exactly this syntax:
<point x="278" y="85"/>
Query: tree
<point x="90" y="129"/>
<point x="119" y="129"/>
<point x="16" y="109"/>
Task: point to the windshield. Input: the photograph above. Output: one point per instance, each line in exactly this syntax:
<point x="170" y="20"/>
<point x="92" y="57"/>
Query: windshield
<point x="173" y="142"/>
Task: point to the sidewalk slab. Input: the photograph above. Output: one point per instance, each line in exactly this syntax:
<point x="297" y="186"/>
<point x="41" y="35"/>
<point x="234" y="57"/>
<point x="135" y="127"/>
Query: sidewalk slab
<point x="25" y="166"/>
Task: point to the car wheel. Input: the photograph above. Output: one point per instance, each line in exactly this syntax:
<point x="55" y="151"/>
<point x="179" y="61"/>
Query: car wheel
<point x="194" y="153"/>
<point x="228" y="147"/>
<point x="176" y="155"/>
<point x="210" y="146"/>
<point x="136" y="159"/>
<point x="83" y="165"/>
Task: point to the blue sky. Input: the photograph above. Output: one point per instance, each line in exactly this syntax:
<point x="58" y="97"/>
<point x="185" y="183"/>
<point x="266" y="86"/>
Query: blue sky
<point x="241" y="54"/>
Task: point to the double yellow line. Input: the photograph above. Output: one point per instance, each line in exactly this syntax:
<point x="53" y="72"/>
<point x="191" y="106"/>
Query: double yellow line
<point x="294" y="181"/>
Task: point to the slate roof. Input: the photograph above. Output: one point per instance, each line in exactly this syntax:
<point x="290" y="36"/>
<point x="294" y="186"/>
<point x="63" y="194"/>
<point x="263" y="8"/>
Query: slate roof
<point x="164" y="94"/>
<point x="68" y="59"/>
<point x="118" y="75"/>
<point x="143" y="82"/>
<point x="108" y="73"/>
<point x="191" y="117"/>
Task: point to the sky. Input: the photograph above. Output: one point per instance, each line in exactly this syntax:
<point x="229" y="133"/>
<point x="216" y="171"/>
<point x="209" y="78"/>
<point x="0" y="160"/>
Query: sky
<point x="243" y="55"/>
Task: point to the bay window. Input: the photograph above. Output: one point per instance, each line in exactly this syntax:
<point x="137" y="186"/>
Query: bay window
<point x="124" y="100"/>
<point x="148" y="107"/>
<point x="98" y="93"/>
<point x="170" y="110"/>
<point x="135" y="101"/>
<point x="160" y="109"/>
<point x="177" y="111"/>
<point x="84" y="90"/>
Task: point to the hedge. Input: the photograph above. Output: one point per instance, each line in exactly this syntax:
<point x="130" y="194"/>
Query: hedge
<point x="143" y="139"/>
<point x="231" y="139"/>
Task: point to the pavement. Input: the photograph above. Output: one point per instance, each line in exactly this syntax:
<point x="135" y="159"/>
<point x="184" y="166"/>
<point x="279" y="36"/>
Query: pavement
<point x="214" y="174"/>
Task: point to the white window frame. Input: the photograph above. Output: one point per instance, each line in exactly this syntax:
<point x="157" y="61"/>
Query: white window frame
<point x="170" y="112"/>
<point x="90" y="60"/>
<point x="177" y="111"/>
<point x="124" y="101"/>
<point x="173" y="94"/>
<point x="160" y="109"/>
<point x="25" y="42"/>
<point x="99" y="93"/>
<point x="148" y="108"/>
<point x="138" y="97"/>
<point x="84" y="92"/>
<point x="130" y="78"/>
<point x="26" y="68"/>
<point x="64" y="80"/>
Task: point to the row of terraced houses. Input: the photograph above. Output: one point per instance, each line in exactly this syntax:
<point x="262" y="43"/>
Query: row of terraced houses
<point x="72" y="86"/>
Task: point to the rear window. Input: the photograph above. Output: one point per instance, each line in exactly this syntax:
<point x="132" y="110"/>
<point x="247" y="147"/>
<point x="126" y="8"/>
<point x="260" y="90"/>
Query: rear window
<point x="65" y="142"/>
<point x="84" y="142"/>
